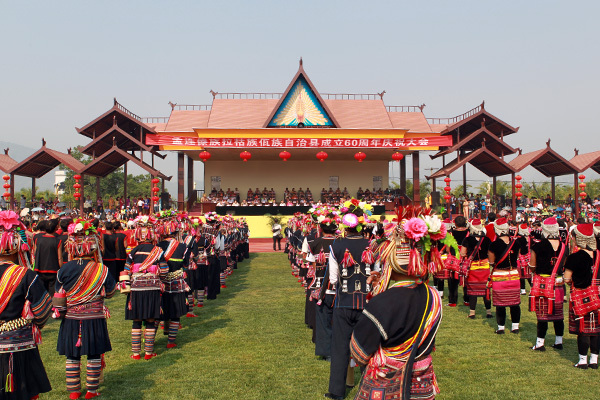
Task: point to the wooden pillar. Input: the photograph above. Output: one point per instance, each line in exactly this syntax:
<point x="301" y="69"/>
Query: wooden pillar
<point x="152" y="194"/>
<point x="514" y="198"/>
<point x="125" y="182"/>
<point x="553" y="188"/>
<point x="82" y="191"/>
<point x="494" y="192"/>
<point x="403" y="176"/>
<point x="180" y="188"/>
<point x="32" y="191"/>
<point x="12" y="192"/>
<point x="190" y="181"/>
<point x="465" y="179"/>
<point x="576" y="191"/>
<point x="97" y="187"/>
<point x="416" y="186"/>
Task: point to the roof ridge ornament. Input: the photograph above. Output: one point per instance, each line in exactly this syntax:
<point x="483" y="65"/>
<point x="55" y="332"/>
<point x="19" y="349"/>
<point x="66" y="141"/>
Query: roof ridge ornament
<point x="483" y="104"/>
<point x="172" y="105"/>
<point x="576" y="151"/>
<point x="214" y="94"/>
<point x="301" y="62"/>
<point x="381" y="94"/>
<point x="548" y="143"/>
<point x="520" y="150"/>
<point x="421" y="107"/>
<point x="6" y="150"/>
<point x="43" y="142"/>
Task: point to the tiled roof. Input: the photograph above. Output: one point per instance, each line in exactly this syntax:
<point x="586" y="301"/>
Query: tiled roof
<point x="360" y="114"/>
<point x="6" y="163"/>
<point x="158" y="126"/>
<point x="546" y="160"/>
<point x="45" y="160"/>
<point x="437" y="128"/>
<point x="585" y="161"/>
<point x="413" y="121"/>
<point x="240" y="113"/>
<point x="184" y="121"/>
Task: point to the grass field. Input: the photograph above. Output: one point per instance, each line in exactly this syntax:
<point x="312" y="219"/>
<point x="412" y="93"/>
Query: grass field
<point x="251" y="343"/>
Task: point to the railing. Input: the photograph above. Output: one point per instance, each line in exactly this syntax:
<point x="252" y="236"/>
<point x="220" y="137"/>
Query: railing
<point x="155" y="120"/>
<point x="404" y="108"/>
<point x="126" y="111"/>
<point x="453" y="120"/>
<point x="351" y="96"/>
<point x="192" y="107"/>
<point x="245" y="96"/>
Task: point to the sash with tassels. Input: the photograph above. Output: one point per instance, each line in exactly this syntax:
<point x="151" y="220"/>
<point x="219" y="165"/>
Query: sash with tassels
<point x="171" y="249"/>
<point x="151" y="259"/>
<point x="9" y="283"/>
<point x="88" y="285"/>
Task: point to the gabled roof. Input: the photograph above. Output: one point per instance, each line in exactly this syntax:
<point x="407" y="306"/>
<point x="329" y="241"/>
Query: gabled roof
<point x="114" y="134"/>
<point x="185" y="121"/>
<point x="472" y="120"/>
<point x="117" y="114"/>
<point x="315" y="100"/>
<point x="586" y="161"/>
<point x="6" y="162"/>
<point x="482" y="159"/>
<point x="413" y="121"/>
<point x="546" y="160"/>
<point x="113" y="159"/>
<point x="45" y="160"/>
<point x="474" y="141"/>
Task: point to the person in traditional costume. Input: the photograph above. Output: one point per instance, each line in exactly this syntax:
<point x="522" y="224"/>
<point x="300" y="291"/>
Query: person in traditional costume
<point x="524" y="232"/>
<point x="210" y="231"/>
<point x="350" y="263"/>
<point x="395" y="335"/>
<point x="85" y="282"/>
<point x="474" y="250"/>
<point x="320" y="290"/>
<point x="580" y="272"/>
<point x="144" y="266"/>
<point x="174" y="297"/>
<point x="460" y="231"/>
<point x="197" y="270"/>
<point x="504" y="280"/>
<point x="548" y="291"/>
<point x="24" y="309"/>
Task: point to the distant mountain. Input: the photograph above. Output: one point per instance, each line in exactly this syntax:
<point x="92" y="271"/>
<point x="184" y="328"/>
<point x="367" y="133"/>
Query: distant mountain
<point x="19" y="153"/>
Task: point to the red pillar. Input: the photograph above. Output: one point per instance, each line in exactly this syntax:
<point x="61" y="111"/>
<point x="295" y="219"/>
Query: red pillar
<point x="576" y="190"/>
<point x="180" y="187"/>
<point x="416" y="183"/>
<point x="514" y="198"/>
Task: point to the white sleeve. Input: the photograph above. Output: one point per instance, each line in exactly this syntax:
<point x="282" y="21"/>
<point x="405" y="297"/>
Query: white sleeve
<point x="305" y="247"/>
<point x="333" y="268"/>
<point x="310" y="257"/>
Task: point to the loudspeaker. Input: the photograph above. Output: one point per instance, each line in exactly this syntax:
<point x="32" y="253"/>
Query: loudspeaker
<point x="501" y="201"/>
<point x="435" y="198"/>
<point x="164" y="199"/>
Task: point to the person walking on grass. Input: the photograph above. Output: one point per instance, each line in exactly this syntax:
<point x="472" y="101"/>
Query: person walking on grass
<point x="276" y="235"/>
<point x="85" y="282"/>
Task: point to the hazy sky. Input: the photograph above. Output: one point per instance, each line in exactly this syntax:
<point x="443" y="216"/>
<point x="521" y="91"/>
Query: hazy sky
<point x="534" y="62"/>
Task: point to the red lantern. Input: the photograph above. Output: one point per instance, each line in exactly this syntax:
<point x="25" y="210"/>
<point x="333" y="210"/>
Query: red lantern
<point x="397" y="156"/>
<point x="447" y="189"/>
<point x="582" y="185"/>
<point x="583" y="195"/>
<point x="518" y="185"/>
<point x="322" y="156"/>
<point x="360" y="156"/>
<point x="155" y="181"/>
<point x="284" y="155"/>
<point x="447" y="197"/>
<point x="156" y="189"/>
<point x="77" y="195"/>
<point x="6" y="177"/>
<point x="518" y="194"/>
<point x="155" y="198"/>
<point x="447" y="180"/>
<point x="582" y="176"/>
<point x="77" y="186"/>
<point x="245" y="155"/>
<point x="204" y="155"/>
<point x="77" y="177"/>
<point x="6" y="186"/>
<point x="518" y="177"/>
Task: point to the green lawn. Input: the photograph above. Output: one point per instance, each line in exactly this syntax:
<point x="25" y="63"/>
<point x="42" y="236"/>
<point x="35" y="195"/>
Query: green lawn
<point x="251" y="343"/>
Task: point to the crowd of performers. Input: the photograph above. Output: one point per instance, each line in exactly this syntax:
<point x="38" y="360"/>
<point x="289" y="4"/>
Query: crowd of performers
<point x="173" y="262"/>
<point x="374" y="289"/>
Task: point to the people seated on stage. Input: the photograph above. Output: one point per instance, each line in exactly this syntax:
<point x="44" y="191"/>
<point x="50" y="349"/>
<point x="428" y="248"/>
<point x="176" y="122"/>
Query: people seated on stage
<point x="309" y="196"/>
<point x="360" y="193"/>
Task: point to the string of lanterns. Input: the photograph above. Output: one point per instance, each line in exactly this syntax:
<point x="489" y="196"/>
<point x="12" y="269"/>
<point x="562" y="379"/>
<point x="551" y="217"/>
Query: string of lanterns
<point x="155" y="189"/>
<point x="77" y="186"/>
<point x="6" y="186"/>
<point x="447" y="189"/>
<point x="518" y="186"/>
<point x="582" y="186"/>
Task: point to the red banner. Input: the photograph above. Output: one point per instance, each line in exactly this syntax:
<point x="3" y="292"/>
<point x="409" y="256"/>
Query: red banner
<point x="242" y="143"/>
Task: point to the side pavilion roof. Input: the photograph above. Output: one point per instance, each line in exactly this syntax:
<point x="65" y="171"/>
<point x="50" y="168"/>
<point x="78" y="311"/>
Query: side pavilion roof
<point x="45" y="160"/>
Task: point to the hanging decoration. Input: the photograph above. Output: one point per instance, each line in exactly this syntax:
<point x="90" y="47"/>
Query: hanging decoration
<point x="397" y="156"/>
<point x="204" y="155"/>
<point x="155" y="189"/>
<point x="447" y="189"/>
<point x="245" y="155"/>
<point x="518" y="187"/>
<point x="322" y="156"/>
<point x="6" y="186"/>
<point x="77" y="186"/>
<point x="582" y="186"/>
<point x="285" y="155"/>
<point x="360" y="156"/>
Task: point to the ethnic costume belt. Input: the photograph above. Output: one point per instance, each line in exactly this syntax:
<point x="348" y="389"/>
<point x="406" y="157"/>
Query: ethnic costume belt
<point x="148" y="281"/>
<point x="17" y="335"/>
<point x="92" y="310"/>
<point x="174" y="282"/>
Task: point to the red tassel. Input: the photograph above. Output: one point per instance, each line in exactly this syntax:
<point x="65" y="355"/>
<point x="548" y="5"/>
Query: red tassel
<point x="347" y="261"/>
<point x="78" y="344"/>
<point x="368" y="257"/>
<point x="531" y="303"/>
<point x="129" y="305"/>
<point x="550" y="306"/>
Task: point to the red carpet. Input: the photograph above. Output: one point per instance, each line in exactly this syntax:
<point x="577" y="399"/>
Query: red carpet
<point x="263" y="245"/>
